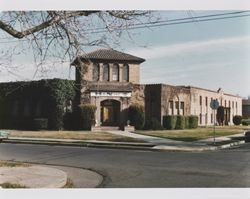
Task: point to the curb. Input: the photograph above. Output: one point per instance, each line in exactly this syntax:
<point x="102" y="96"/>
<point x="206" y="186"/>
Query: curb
<point x="133" y="146"/>
<point x="84" y="144"/>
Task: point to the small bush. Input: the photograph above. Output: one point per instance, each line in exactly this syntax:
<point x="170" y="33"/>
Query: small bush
<point x="40" y="123"/>
<point x="237" y="119"/>
<point x="245" y="122"/>
<point x="153" y="124"/>
<point x="193" y="121"/>
<point x="186" y="122"/>
<point x="137" y="116"/>
<point x="169" y="122"/>
<point x="87" y="112"/>
<point x="180" y="122"/>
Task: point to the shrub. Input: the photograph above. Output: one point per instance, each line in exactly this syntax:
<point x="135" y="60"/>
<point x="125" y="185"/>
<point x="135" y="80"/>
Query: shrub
<point x="186" y="122"/>
<point x="237" y="119"/>
<point x="245" y="122"/>
<point x="220" y="115"/>
<point x="137" y="116"/>
<point x="153" y="124"/>
<point x="87" y="115"/>
<point x="40" y="123"/>
<point x="193" y="121"/>
<point x="180" y="122"/>
<point x="169" y="121"/>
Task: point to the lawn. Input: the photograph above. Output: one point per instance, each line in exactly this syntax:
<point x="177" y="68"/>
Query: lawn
<point x="190" y="135"/>
<point x="77" y="135"/>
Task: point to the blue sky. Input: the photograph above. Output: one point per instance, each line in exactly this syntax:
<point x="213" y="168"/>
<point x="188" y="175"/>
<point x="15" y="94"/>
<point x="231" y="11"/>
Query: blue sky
<point x="204" y="54"/>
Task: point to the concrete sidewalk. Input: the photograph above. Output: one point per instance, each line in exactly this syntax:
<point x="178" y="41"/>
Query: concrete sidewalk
<point x="149" y="142"/>
<point x="36" y="176"/>
<point x="168" y="144"/>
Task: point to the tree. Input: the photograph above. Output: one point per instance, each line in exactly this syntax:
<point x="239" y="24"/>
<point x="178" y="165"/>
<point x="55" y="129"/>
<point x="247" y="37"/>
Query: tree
<point x="63" y="35"/>
<point x="220" y="115"/>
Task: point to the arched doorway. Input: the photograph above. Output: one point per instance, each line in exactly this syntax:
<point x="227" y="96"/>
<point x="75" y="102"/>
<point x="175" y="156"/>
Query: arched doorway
<point x="110" y="112"/>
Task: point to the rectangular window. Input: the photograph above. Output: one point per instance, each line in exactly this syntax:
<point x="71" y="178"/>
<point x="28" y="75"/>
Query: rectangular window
<point x="206" y="101"/>
<point x="212" y="118"/>
<point x="232" y="104"/>
<point x="200" y="100"/>
<point x="200" y="118"/>
<point x="225" y="103"/>
<point x="171" y="107"/>
<point x="177" y="105"/>
<point x="182" y="108"/>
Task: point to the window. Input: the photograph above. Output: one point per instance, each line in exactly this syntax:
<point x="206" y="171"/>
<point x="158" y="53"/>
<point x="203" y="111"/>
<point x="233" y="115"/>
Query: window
<point x="96" y="72"/>
<point x="115" y="72"/>
<point x="232" y="104"/>
<point x="206" y="101"/>
<point x="171" y="104"/>
<point x="182" y="105"/>
<point x="225" y="103"/>
<point x="125" y="73"/>
<point x="229" y="104"/>
<point x="182" y="108"/>
<point x="200" y="118"/>
<point x="171" y="107"/>
<point x="177" y="105"/>
<point x="200" y="100"/>
<point x="212" y="118"/>
<point x="105" y="72"/>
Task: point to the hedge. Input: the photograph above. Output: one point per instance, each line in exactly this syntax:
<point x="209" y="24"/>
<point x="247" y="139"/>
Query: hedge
<point x="87" y="116"/>
<point x="153" y="124"/>
<point x="136" y="116"/>
<point x="245" y="122"/>
<point x="193" y="121"/>
<point x="51" y="94"/>
<point x="40" y="123"/>
<point x="237" y="119"/>
<point x="169" y="121"/>
<point x="180" y="122"/>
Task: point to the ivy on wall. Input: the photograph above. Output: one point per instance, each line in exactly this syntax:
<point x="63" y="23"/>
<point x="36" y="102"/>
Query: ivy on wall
<point x="22" y="102"/>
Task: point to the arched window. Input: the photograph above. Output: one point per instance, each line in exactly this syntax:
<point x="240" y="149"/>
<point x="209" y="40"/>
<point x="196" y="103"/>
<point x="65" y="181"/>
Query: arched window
<point x="105" y="72"/>
<point x="115" y="72"/>
<point x="125" y="73"/>
<point x="96" y="72"/>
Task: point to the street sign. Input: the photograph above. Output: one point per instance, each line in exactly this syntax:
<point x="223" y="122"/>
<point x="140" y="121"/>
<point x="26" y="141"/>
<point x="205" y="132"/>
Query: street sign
<point x="214" y="104"/>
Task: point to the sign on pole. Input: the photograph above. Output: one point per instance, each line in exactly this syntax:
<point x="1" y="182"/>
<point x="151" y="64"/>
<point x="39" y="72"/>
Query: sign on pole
<point x="214" y="104"/>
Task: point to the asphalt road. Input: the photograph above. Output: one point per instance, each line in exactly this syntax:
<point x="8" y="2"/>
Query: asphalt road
<point x="133" y="169"/>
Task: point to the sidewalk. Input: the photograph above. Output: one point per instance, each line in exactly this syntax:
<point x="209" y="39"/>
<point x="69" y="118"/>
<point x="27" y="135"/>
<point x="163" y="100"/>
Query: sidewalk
<point x="37" y="176"/>
<point x="152" y="143"/>
<point x="174" y="145"/>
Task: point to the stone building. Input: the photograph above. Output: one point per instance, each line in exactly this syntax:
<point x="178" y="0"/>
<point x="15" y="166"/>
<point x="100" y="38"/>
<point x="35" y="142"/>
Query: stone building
<point x="246" y="108"/>
<point x="110" y="80"/>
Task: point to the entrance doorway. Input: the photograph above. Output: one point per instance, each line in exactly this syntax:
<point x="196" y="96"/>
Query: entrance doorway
<point x="110" y="112"/>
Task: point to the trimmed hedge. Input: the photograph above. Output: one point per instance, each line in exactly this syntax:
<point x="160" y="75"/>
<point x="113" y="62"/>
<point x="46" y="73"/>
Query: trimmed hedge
<point x="245" y="122"/>
<point x="153" y="124"/>
<point x="180" y="122"/>
<point x="87" y="116"/>
<point x="40" y="123"/>
<point x="193" y="121"/>
<point x="136" y="116"/>
<point x="169" y="121"/>
<point x="237" y="119"/>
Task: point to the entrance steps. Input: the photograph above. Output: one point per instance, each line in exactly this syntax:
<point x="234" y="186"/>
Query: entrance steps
<point x="105" y="128"/>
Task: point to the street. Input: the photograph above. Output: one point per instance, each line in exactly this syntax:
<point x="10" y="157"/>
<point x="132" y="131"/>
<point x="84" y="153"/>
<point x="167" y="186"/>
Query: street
<point x="133" y="169"/>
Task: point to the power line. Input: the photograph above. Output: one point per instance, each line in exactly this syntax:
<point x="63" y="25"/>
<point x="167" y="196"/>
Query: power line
<point x="178" y="21"/>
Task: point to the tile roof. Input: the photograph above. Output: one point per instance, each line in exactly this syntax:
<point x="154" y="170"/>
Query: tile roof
<point x="111" y="55"/>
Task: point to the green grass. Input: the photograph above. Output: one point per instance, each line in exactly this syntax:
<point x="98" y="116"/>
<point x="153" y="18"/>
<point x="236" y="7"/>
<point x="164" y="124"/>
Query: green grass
<point x="190" y="135"/>
<point x="77" y="135"/>
<point x="11" y="186"/>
